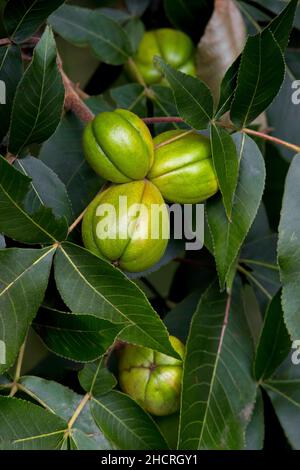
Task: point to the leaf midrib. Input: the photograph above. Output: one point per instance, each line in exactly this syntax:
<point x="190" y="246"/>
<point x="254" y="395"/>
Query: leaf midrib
<point x="41" y="95"/>
<point x="98" y="36"/>
<point x="27" y="216"/>
<point x="24" y="16"/>
<point x="188" y="92"/>
<point x="26" y="270"/>
<point x="129" y="322"/>
<point x="210" y="393"/>
<point x="122" y="422"/>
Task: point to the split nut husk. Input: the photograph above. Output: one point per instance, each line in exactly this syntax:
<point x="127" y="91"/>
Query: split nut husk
<point x="152" y="378"/>
<point x="128" y="224"/>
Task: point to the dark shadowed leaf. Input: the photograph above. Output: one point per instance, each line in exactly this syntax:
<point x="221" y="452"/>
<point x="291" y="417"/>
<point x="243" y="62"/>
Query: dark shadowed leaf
<point x="191" y="16"/>
<point x="227" y="89"/>
<point x="40" y="227"/>
<point x="218" y="390"/>
<point x="135" y="30"/>
<point x="255" y="432"/>
<point x="82" y="26"/>
<point x="285" y="396"/>
<point x="284" y="114"/>
<point x="22" y="19"/>
<point x="282" y="24"/>
<point x="261" y="59"/>
<point x="80" y="338"/>
<point x="46" y="189"/>
<point x="30" y="426"/>
<point x="164" y="105"/>
<point x="276" y="167"/>
<point x="259" y="259"/>
<point x="63" y="153"/>
<point x="226" y="164"/>
<point x="22" y="271"/>
<point x="179" y="318"/>
<point x="39" y="98"/>
<point x="229" y="236"/>
<point x="193" y="98"/>
<point x="252" y="313"/>
<point x="137" y="7"/>
<point x="289" y="249"/>
<point x="275" y="6"/>
<point x="121" y="16"/>
<point x="274" y="344"/>
<point x="96" y="379"/>
<point x="92" y="286"/>
<point x="10" y="74"/>
<point x="131" y="97"/>
<point x="125" y="423"/>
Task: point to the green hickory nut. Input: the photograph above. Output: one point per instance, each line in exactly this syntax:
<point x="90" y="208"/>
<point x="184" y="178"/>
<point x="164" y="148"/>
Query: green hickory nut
<point x="183" y="169"/>
<point x="130" y="236"/>
<point x="118" y="146"/>
<point x="152" y="378"/>
<point x="175" y="47"/>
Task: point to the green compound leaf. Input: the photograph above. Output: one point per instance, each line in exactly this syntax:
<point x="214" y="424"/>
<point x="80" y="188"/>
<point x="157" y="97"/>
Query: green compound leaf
<point x="23" y="17"/>
<point x="39" y="98"/>
<point x="15" y="221"/>
<point x="227" y="236"/>
<point x="23" y="280"/>
<point x="226" y="164"/>
<point x="30" y="426"/>
<point x="125" y="423"/>
<point x="193" y="98"/>
<point x="82" y="26"/>
<point x="289" y="249"/>
<point x="261" y="59"/>
<point x="90" y="285"/>
<point x="218" y="389"/>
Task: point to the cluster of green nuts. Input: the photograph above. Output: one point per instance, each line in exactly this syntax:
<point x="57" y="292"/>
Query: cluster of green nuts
<point x="175" y="167"/>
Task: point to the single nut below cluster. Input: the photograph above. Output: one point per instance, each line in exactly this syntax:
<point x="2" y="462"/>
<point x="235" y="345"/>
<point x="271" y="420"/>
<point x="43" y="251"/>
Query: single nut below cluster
<point x="151" y="378"/>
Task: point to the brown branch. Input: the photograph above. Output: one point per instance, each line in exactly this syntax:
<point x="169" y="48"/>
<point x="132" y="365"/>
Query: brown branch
<point x="82" y="94"/>
<point x="33" y="41"/>
<point x="263" y="135"/>
<point x="270" y="138"/>
<point x="73" y="102"/>
<point x="10" y="158"/>
<point x="158" y="120"/>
